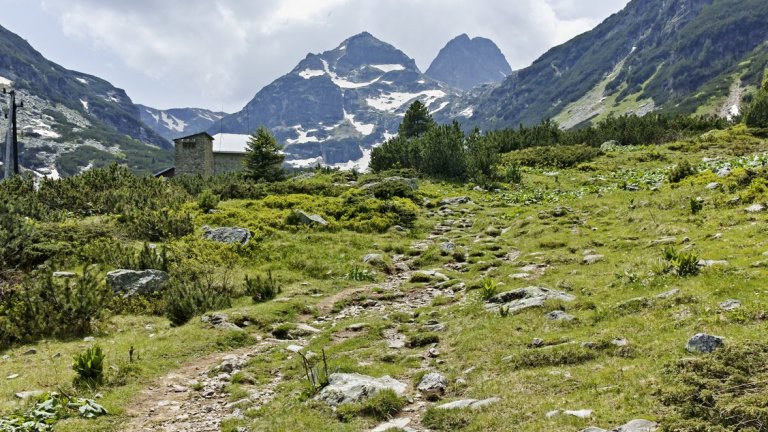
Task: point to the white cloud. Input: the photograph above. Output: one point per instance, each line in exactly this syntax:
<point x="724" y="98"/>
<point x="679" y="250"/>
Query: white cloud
<point x="209" y="52"/>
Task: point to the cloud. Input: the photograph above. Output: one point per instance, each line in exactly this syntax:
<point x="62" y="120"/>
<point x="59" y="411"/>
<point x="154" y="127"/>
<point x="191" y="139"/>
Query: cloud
<point x="208" y="52"/>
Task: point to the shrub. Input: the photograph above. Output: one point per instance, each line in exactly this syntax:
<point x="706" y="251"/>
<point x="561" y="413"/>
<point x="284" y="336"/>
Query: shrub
<point x="89" y="367"/>
<point x="44" y="306"/>
<point x="17" y="238"/>
<point x="513" y="174"/>
<point x="158" y="225"/>
<point x="361" y="275"/>
<point x="696" y="205"/>
<point x="445" y="419"/>
<point x="185" y="300"/>
<point x="682" y="263"/>
<point x="381" y="406"/>
<point x="261" y="289"/>
<point x="560" y="156"/>
<point x="489" y="289"/>
<point x="207" y="200"/>
<point x="556" y="356"/>
<point x="680" y="172"/>
<point x="725" y="390"/>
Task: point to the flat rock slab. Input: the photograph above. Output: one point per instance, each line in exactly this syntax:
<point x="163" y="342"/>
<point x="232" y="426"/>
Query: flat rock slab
<point x="474" y="404"/>
<point x="348" y="388"/>
<point x="228" y="235"/>
<point x="396" y="424"/>
<point x="704" y="343"/>
<point x="129" y="283"/>
<point x="525" y="298"/>
<point x="454" y="201"/>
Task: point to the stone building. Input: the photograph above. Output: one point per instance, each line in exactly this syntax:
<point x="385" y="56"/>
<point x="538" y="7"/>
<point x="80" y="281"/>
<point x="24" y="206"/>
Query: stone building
<point x="202" y="154"/>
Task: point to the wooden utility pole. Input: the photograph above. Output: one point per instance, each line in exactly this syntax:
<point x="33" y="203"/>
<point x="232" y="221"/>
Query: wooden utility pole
<point x="11" y="140"/>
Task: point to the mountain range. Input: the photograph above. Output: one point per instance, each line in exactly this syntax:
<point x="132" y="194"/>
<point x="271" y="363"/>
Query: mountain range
<point x="674" y="56"/>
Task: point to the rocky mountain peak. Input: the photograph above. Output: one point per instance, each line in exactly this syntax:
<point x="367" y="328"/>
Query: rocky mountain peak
<point x="465" y="63"/>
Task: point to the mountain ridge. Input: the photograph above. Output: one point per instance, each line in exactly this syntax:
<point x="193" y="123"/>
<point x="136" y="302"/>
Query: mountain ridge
<point x="465" y="63"/>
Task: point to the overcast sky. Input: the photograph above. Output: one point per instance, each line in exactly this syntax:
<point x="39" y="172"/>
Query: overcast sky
<point x="219" y="53"/>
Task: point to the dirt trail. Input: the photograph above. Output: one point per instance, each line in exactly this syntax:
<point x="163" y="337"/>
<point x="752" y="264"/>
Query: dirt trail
<point x="193" y="398"/>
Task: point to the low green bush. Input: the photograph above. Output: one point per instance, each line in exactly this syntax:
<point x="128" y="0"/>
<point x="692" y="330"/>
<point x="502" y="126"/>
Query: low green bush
<point x="681" y="171"/>
<point x="261" y="288"/>
<point x="381" y="406"/>
<point x="559" y="156"/>
<point x="89" y="367"/>
<point x="186" y="299"/>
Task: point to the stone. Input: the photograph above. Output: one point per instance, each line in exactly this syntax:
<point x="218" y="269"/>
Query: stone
<point x="620" y="342"/>
<point x="12" y="376"/>
<point x="24" y="395"/>
<point x="730" y="305"/>
<point x="704" y="343"/>
<point x="306" y="329"/>
<point x="469" y="404"/>
<point x="639" y="425"/>
<point x="89" y="339"/>
<point x="592" y="259"/>
<point x="525" y="298"/>
<point x="454" y="201"/>
<point x="304" y="218"/>
<point x="437" y="327"/>
<point x="228" y="235"/>
<point x="609" y="145"/>
<point x="374" y="259"/>
<point x="432" y="385"/>
<point x="129" y="283"/>
<point x="428" y="276"/>
<point x="64" y="275"/>
<point x="713" y="185"/>
<point x="559" y="315"/>
<point x="396" y="424"/>
<point x="668" y="294"/>
<point x="294" y="348"/>
<point x="30" y="351"/>
<point x="593" y="429"/>
<point x="351" y="387"/>
<point x="755" y="208"/>
<point x="711" y="263"/>
<point x="220" y="321"/>
<point x="447" y="248"/>
<point x="584" y="413"/>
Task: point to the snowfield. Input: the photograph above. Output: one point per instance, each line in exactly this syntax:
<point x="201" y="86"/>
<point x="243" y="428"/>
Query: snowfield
<point x="5" y="82"/>
<point x="311" y="73"/>
<point x="390" y="102"/>
<point x="365" y="129"/>
<point x="303" y="136"/>
<point x="389" y="67"/>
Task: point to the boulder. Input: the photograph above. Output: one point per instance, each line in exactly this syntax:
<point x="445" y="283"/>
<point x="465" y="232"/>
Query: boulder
<point x="591" y="259"/>
<point x="525" y="298"/>
<point x="639" y="425"/>
<point x="559" y="315"/>
<point x="432" y="385"/>
<point x="348" y="388"/>
<point x="307" y="219"/>
<point x="704" y="343"/>
<point x="730" y="305"/>
<point x="229" y="235"/>
<point x="129" y="283"/>
<point x="469" y="403"/>
<point x="447" y="248"/>
<point x="454" y="201"/>
<point x="609" y="145"/>
<point x="755" y="208"/>
<point x="64" y="275"/>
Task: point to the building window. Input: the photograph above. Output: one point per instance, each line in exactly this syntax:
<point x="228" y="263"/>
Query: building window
<point x="188" y="145"/>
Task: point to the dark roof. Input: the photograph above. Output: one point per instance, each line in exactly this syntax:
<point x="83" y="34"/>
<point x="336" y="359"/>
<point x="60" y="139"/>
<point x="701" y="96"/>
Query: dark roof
<point x="168" y="172"/>
<point x="194" y="135"/>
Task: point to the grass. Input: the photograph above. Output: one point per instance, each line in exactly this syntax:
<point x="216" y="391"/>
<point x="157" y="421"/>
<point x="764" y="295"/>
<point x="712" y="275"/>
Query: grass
<point x="578" y="365"/>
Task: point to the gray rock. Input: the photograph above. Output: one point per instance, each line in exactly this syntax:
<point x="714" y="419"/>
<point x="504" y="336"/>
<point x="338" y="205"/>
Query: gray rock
<point x="620" y="342"/>
<point x="559" y="315"/>
<point x="668" y="294"/>
<point x="220" y="321"/>
<point x="30" y="351"/>
<point x="28" y="394"/>
<point x="346" y="388"/>
<point x="229" y="235"/>
<point x="724" y="172"/>
<point x="400" y="424"/>
<point x="704" y="343"/>
<point x="593" y="429"/>
<point x="374" y="259"/>
<point x="525" y="298"/>
<point x="454" y="201"/>
<point x="591" y="259"/>
<point x="609" y="145"/>
<point x="711" y="263"/>
<point x="713" y="185"/>
<point x="447" y="248"/>
<point x="730" y="305"/>
<point x="432" y="385"/>
<point x="469" y="403"/>
<point x="129" y="283"/>
<point x="307" y="219"/>
<point x="637" y="426"/>
<point x="437" y="327"/>
<point x="755" y="208"/>
<point x="64" y="275"/>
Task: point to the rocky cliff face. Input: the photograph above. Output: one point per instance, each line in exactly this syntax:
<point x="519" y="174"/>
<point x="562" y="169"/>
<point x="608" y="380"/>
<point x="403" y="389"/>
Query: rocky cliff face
<point x="673" y="56"/>
<point x="177" y="122"/>
<point x="71" y="120"/>
<point x="465" y="63"/>
<point x="334" y="106"/>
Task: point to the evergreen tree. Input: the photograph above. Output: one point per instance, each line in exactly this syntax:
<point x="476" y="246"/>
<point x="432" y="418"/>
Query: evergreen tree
<point x="417" y="121"/>
<point x="442" y="152"/>
<point x="757" y="113"/>
<point x="264" y="157"/>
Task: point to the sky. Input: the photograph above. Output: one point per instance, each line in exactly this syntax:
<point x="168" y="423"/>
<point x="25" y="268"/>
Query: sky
<point x="217" y="54"/>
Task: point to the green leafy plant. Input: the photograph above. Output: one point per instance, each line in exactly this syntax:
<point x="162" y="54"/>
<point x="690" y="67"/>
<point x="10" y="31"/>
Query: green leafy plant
<point x="489" y="289"/>
<point x="207" y="200"/>
<point x="381" y="406"/>
<point x="315" y="371"/>
<point x="89" y="367"/>
<point x="361" y="275"/>
<point x="696" y="205"/>
<point x="681" y="171"/>
<point x="681" y="262"/>
<point x="262" y="289"/>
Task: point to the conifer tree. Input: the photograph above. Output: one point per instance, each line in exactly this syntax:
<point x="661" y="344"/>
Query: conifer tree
<point x="757" y="113"/>
<point x="417" y="121"/>
<point x="264" y="157"/>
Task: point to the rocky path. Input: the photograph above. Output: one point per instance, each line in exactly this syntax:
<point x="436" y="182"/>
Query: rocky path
<point x="193" y="398"/>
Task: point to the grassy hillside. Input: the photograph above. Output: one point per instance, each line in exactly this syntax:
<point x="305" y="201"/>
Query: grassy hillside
<point x="622" y="234"/>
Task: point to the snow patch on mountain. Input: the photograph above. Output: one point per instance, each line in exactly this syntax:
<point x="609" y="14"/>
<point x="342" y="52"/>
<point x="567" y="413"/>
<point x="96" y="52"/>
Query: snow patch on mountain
<point x="5" y="82"/>
<point x="85" y="104"/>
<point x="360" y="165"/>
<point x="303" y="136"/>
<point x="311" y="73"/>
<point x="386" y="68"/>
<point x="467" y="112"/>
<point x="173" y="123"/>
<point x="365" y="129"/>
<point x="343" y="83"/>
<point x="82" y="80"/>
<point x="391" y="102"/>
